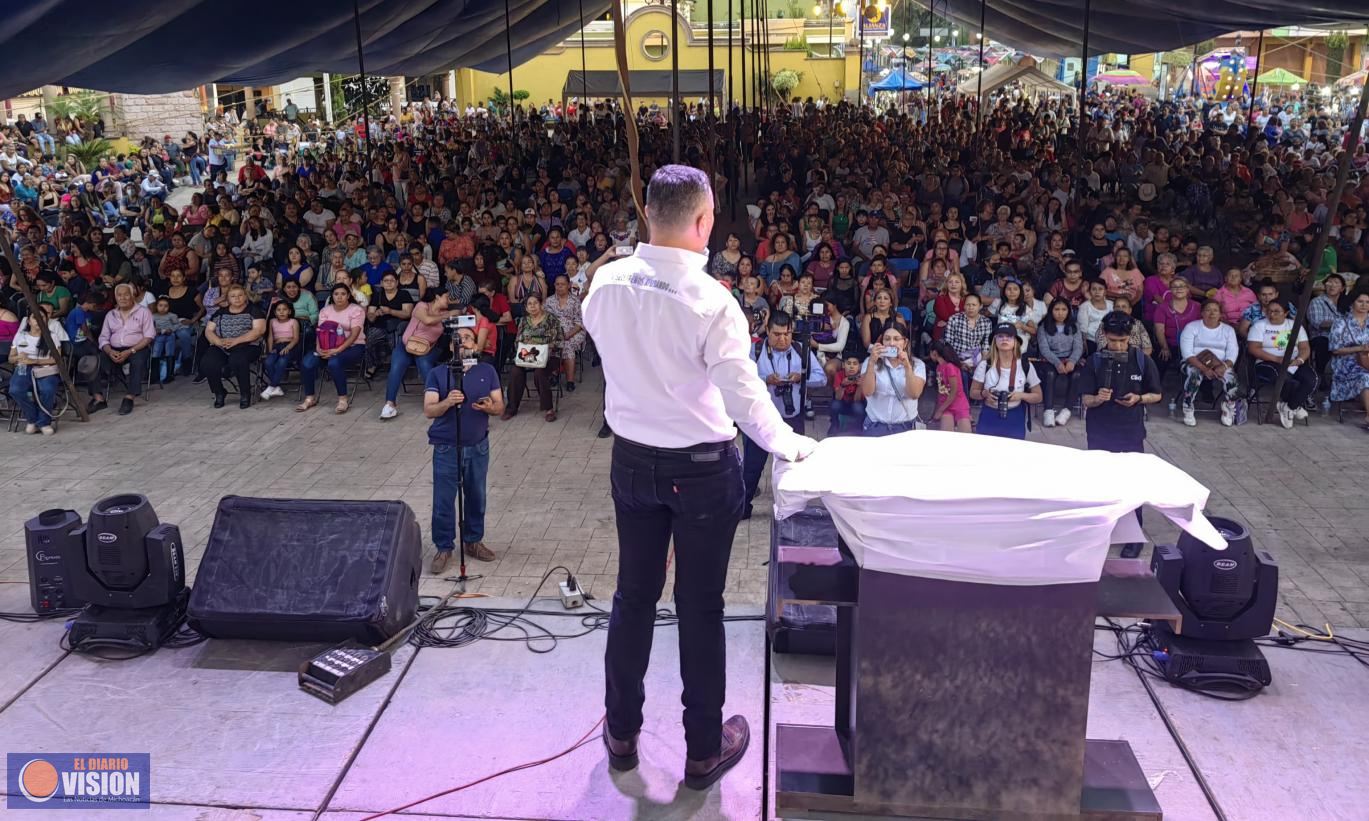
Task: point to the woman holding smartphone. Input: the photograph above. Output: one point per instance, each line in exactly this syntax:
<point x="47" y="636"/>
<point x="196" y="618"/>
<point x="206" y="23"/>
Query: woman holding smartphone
<point x="892" y="381"/>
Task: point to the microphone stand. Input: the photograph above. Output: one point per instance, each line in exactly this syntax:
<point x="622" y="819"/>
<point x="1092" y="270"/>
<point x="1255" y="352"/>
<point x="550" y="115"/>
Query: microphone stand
<point x="455" y="370"/>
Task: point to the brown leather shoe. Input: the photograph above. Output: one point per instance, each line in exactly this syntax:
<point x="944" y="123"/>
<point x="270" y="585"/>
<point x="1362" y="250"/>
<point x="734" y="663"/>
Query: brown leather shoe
<point x="700" y="775"/>
<point x="478" y="551"/>
<point x="622" y="755"/>
<point x="440" y="562"/>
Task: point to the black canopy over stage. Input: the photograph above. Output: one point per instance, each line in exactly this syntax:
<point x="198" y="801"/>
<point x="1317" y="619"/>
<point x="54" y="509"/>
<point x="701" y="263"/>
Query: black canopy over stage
<point x="644" y="83"/>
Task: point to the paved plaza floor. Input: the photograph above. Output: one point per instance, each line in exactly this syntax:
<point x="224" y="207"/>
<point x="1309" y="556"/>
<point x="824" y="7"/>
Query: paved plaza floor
<point x="1301" y="491"/>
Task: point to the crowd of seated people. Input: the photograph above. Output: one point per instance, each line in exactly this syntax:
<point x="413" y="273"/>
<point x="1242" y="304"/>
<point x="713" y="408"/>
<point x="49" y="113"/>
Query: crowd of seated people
<point x="919" y="235"/>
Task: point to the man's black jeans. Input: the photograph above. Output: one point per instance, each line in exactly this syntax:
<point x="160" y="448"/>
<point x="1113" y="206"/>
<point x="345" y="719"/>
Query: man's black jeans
<point x="695" y="496"/>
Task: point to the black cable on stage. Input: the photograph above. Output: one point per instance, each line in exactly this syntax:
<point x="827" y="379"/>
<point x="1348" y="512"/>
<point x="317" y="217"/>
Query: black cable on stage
<point x="1120" y="633"/>
<point x="34" y="618"/>
<point x="460" y="626"/>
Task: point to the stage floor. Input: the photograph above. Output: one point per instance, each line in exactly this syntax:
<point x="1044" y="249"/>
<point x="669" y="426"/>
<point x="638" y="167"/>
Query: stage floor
<point x="232" y="738"/>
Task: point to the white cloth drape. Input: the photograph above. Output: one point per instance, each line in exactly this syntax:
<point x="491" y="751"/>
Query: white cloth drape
<point x="940" y="505"/>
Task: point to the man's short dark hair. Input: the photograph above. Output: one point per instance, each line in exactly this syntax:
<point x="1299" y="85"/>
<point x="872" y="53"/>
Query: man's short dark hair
<point x="674" y="194"/>
<point x="779" y="320"/>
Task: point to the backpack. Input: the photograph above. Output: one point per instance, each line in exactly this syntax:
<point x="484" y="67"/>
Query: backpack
<point x="330" y="335"/>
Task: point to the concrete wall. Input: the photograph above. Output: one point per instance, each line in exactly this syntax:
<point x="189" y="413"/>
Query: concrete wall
<point x="152" y="115"/>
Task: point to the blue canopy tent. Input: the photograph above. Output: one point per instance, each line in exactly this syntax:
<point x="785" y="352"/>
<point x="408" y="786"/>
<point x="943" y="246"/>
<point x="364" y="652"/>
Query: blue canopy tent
<point x="896" y="80"/>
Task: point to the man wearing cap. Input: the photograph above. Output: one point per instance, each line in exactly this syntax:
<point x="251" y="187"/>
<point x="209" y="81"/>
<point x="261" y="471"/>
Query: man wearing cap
<point x="672" y="397"/>
<point x="1118" y="380"/>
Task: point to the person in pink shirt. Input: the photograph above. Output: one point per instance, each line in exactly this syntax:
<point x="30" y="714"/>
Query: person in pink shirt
<point x="1155" y="291"/>
<point x="1122" y="277"/>
<point x="1170" y="318"/>
<point x="1234" y="297"/>
<point x="125" y="338"/>
<point x="339" y="346"/>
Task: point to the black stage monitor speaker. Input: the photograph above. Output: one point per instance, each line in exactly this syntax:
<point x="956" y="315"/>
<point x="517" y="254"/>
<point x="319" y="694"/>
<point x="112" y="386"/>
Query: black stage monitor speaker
<point x="308" y="570"/>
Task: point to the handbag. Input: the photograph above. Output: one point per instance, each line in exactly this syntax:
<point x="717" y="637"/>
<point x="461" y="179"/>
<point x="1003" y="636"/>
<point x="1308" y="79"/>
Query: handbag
<point x="418" y="346"/>
<point x="531" y="356"/>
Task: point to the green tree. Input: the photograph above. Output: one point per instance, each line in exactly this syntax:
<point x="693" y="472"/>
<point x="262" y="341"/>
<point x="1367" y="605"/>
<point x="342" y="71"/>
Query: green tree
<point x="84" y="105"/>
<point x="1336" y="43"/>
<point x="89" y="153"/>
<point x="784" y="82"/>
<point x="500" y="98"/>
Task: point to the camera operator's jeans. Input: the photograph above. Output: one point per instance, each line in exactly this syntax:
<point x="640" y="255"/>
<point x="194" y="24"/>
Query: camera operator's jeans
<point x="34" y="404"/>
<point x="475" y="464"/>
<point x="754" y="458"/>
<point x="399" y="363"/>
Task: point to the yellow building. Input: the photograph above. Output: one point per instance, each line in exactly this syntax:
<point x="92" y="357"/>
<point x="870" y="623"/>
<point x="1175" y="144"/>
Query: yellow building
<point x="650" y="36"/>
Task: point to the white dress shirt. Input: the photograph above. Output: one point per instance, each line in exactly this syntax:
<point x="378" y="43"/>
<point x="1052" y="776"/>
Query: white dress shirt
<point x="676" y="351"/>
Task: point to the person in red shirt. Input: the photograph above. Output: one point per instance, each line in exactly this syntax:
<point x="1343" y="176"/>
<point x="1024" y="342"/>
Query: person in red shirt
<point x="251" y="173"/>
<point x="86" y="263"/>
<point x="499" y="305"/>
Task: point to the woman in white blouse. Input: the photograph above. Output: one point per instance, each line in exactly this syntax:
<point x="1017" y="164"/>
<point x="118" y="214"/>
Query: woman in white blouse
<point x="892" y="381"/>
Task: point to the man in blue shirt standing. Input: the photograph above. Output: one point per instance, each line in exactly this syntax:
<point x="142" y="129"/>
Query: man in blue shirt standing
<point x="475" y="400"/>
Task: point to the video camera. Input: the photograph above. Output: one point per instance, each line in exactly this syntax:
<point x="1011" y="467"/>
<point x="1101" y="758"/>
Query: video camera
<point x="815" y="321"/>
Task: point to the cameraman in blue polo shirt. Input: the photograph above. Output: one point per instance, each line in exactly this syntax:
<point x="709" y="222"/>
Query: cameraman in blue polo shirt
<point x="476" y="399"/>
<point x="1116" y="382"/>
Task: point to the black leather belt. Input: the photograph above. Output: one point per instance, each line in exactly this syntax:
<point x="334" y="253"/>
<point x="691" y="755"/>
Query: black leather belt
<point x="702" y="452"/>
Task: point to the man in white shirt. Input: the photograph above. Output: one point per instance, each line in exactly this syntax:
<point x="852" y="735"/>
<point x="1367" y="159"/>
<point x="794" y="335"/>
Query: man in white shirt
<point x="672" y="395"/>
<point x="318" y="218"/>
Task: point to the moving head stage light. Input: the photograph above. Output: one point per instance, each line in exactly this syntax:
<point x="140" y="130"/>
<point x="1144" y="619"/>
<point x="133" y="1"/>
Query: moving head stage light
<point x="1227" y="598"/>
<point x="128" y="566"/>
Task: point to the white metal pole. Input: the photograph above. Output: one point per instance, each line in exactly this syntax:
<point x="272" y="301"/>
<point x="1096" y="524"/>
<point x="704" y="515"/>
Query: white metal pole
<point x="327" y="98"/>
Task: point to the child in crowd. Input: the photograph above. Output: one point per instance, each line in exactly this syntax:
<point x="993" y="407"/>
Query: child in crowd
<point x="848" y="402"/>
<point x="259" y="288"/>
<point x="952" y="411"/>
<point x="165" y="324"/>
<point x="282" y="346"/>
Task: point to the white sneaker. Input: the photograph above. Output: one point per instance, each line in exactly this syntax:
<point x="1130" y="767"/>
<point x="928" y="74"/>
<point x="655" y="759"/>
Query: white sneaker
<point x="1048" y="418"/>
<point x="1228" y="413"/>
<point x="278" y="391"/>
<point x="389" y="412"/>
<point x="1285" y="415"/>
<point x="48" y="431"/>
<point x="30" y="429"/>
<point x="268" y="393"/>
<point x="1300" y="413"/>
<point x="1062" y="416"/>
<point x="1189" y="418"/>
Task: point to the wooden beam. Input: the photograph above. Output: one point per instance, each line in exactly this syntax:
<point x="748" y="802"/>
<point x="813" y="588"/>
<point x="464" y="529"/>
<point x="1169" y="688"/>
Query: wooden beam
<point x="630" y="118"/>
